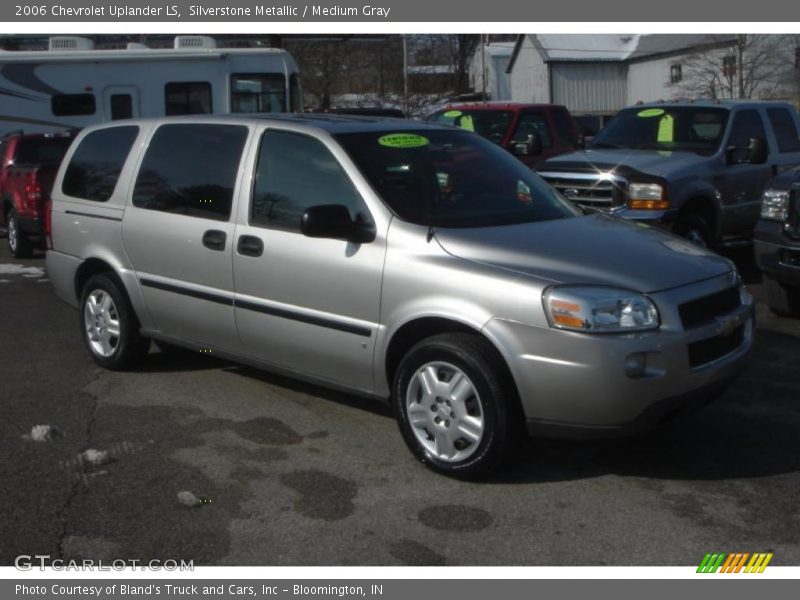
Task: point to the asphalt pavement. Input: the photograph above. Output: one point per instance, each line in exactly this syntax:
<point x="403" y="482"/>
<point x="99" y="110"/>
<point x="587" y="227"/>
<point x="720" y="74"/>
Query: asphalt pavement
<point x="299" y="475"/>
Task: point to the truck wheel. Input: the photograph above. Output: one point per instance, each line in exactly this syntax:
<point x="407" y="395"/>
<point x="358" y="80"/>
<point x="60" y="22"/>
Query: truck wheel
<point x="18" y="243"/>
<point x="453" y="402"/>
<point x="782" y="299"/>
<point x="694" y="228"/>
<point x="109" y="327"/>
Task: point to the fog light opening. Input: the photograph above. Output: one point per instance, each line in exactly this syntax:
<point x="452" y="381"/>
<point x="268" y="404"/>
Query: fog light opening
<point x="636" y="365"/>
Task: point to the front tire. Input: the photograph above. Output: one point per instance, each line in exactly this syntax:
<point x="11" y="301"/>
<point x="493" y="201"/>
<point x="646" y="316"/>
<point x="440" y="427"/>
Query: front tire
<point x="453" y="399"/>
<point x="109" y="327"/>
<point x="18" y="243"/>
<point x="694" y="228"/>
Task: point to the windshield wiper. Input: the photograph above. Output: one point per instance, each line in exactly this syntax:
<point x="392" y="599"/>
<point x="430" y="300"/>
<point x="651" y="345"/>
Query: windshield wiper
<point x="607" y="145"/>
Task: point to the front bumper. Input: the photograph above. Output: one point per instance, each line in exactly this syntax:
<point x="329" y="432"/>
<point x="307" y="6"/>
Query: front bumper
<point x="655" y="218"/>
<point x="575" y="385"/>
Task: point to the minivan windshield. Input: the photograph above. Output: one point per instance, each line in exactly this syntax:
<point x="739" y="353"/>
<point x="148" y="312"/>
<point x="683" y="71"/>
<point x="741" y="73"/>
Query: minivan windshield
<point x="676" y="128"/>
<point x="452" y="178"/>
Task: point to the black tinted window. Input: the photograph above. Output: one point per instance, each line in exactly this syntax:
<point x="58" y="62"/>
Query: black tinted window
<point x="121" y="106"/>
<point x="188" y="98"/>
<point x="295" y="172"/>
<point x="96" y="164"/>
<point x="746" y="124"/>
<point x="785" y="129"/>
<point x="41" y="151"/>
<point x="191" y="170"/>
<point x="564" y="127"/>
<point x="531" y="123"/>
<point x="491" y="124"/>
<point x="69" y="105"/>
<point x="452" y="178"/>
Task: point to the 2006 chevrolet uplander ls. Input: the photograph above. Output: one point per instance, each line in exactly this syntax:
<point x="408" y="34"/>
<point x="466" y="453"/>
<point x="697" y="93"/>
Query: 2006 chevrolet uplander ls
<point x="401" y="260"/>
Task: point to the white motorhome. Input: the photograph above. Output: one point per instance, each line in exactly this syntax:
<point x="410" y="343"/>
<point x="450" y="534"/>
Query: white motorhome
<point x="73" y="85"/>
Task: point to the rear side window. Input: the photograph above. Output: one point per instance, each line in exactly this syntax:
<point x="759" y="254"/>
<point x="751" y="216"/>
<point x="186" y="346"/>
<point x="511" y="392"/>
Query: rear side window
<point x="190" y="169"/>
<point x="71" y="105"/>
<point x="188" y="98"/>
<point x="563" y="126"/>
<point x="785" y="129"/>
<point x="95" y="166"/>
<point x="295" y="172"/>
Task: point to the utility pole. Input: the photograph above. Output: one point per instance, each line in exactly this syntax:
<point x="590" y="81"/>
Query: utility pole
<point x="483" y="68"/>
<point x="405" y="74"/>
<point x="742" y="40"/>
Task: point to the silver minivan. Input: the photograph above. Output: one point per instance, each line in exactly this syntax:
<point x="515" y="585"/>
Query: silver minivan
<point x="414" y="263"/>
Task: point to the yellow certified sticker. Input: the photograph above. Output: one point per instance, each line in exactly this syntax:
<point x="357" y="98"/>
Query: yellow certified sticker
<point x="650" y="112"/>
<point x="403" y="140"/>
<point x="452" y="114"/>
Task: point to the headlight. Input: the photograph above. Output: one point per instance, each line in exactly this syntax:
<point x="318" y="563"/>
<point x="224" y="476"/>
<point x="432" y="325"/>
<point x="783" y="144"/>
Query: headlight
<point x="775" y="205"/>
<point x="647" y="196"/>
<point x="597" y="309"/>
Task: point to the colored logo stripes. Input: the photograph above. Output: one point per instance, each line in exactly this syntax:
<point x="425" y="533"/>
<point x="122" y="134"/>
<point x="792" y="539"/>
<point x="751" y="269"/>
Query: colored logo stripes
<point x="735" y="562"/>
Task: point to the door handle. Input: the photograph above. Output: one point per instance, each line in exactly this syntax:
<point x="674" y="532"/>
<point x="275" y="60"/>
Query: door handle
<point x="214" y="239"/>
<point x="249" y="245"/>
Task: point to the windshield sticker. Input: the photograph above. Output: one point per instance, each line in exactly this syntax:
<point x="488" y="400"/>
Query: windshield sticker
<point x="452" y="114"/>
<point x="650" y="112"/>
<point x="666" y="129"/>
<point x="466" y="123"/>
<point x="403" y="140"/>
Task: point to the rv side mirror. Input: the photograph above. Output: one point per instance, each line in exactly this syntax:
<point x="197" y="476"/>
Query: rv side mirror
<point x="333" y="221"/>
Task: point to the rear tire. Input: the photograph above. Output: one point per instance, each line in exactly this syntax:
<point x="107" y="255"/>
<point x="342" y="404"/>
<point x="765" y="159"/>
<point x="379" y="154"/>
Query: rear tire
<point x="694" y="228"/>
<point x="782" y="299"/>
<point x="109" y="327"/>
<point x="18" y="243"/>
<point x="454" y="403"/>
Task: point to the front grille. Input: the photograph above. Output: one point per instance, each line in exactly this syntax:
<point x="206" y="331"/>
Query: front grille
<point x="707" y="351"/>
<point x="704" y="310"/>
<point x="589" y="190"/>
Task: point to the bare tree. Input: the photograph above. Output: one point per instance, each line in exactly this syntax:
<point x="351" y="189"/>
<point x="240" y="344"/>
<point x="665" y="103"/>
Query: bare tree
<point x="452" y="50"/>
<point x="740" y="66"/>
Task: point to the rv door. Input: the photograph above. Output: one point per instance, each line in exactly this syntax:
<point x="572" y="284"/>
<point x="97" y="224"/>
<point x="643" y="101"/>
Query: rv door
<point x="121" y="102"/>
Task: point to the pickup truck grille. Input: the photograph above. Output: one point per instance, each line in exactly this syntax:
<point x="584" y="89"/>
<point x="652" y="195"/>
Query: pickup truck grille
<point x="704" y="310"/>
<point x="588" y="189"/>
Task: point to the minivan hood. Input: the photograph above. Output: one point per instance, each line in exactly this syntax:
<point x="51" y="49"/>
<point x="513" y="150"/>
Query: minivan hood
<point x="595" y="249"/>
<point x="623" y="162"/>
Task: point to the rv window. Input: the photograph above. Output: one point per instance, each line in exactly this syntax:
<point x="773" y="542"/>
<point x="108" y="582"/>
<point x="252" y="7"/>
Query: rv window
<point x="191" y="170"/>
<point x="187" y="98"/>
<point x="258" y="93"/>
<point x="95" y="166"/>
<point x="70" y="105"/>
<point x="121" y="106"/>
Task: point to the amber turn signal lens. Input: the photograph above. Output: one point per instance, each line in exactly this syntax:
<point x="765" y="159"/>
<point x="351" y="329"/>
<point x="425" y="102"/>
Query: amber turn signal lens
<point x="648" y="204"/>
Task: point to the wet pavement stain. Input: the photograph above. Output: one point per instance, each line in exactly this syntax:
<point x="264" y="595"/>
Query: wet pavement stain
<point x="414" y="554"/>
<point x="269" y="431"/>
<point x="321" y="495"/>
<point x="455" y="517"/>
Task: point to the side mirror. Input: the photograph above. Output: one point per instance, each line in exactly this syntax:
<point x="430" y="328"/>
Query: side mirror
<point x="333" y="221"/>
<point x="754" y="153"/>
<point x="757" y="151"/>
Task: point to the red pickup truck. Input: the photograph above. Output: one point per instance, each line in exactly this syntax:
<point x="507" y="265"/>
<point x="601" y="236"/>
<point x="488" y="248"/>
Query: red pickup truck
<point x="532" y="132"/>
<point x="28" y="165"/>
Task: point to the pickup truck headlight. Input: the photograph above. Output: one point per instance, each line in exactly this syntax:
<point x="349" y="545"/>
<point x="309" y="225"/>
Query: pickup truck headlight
<point x="597" y="309"/>
<point x="647" y="196"/>
<point x="775" y="205"/>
